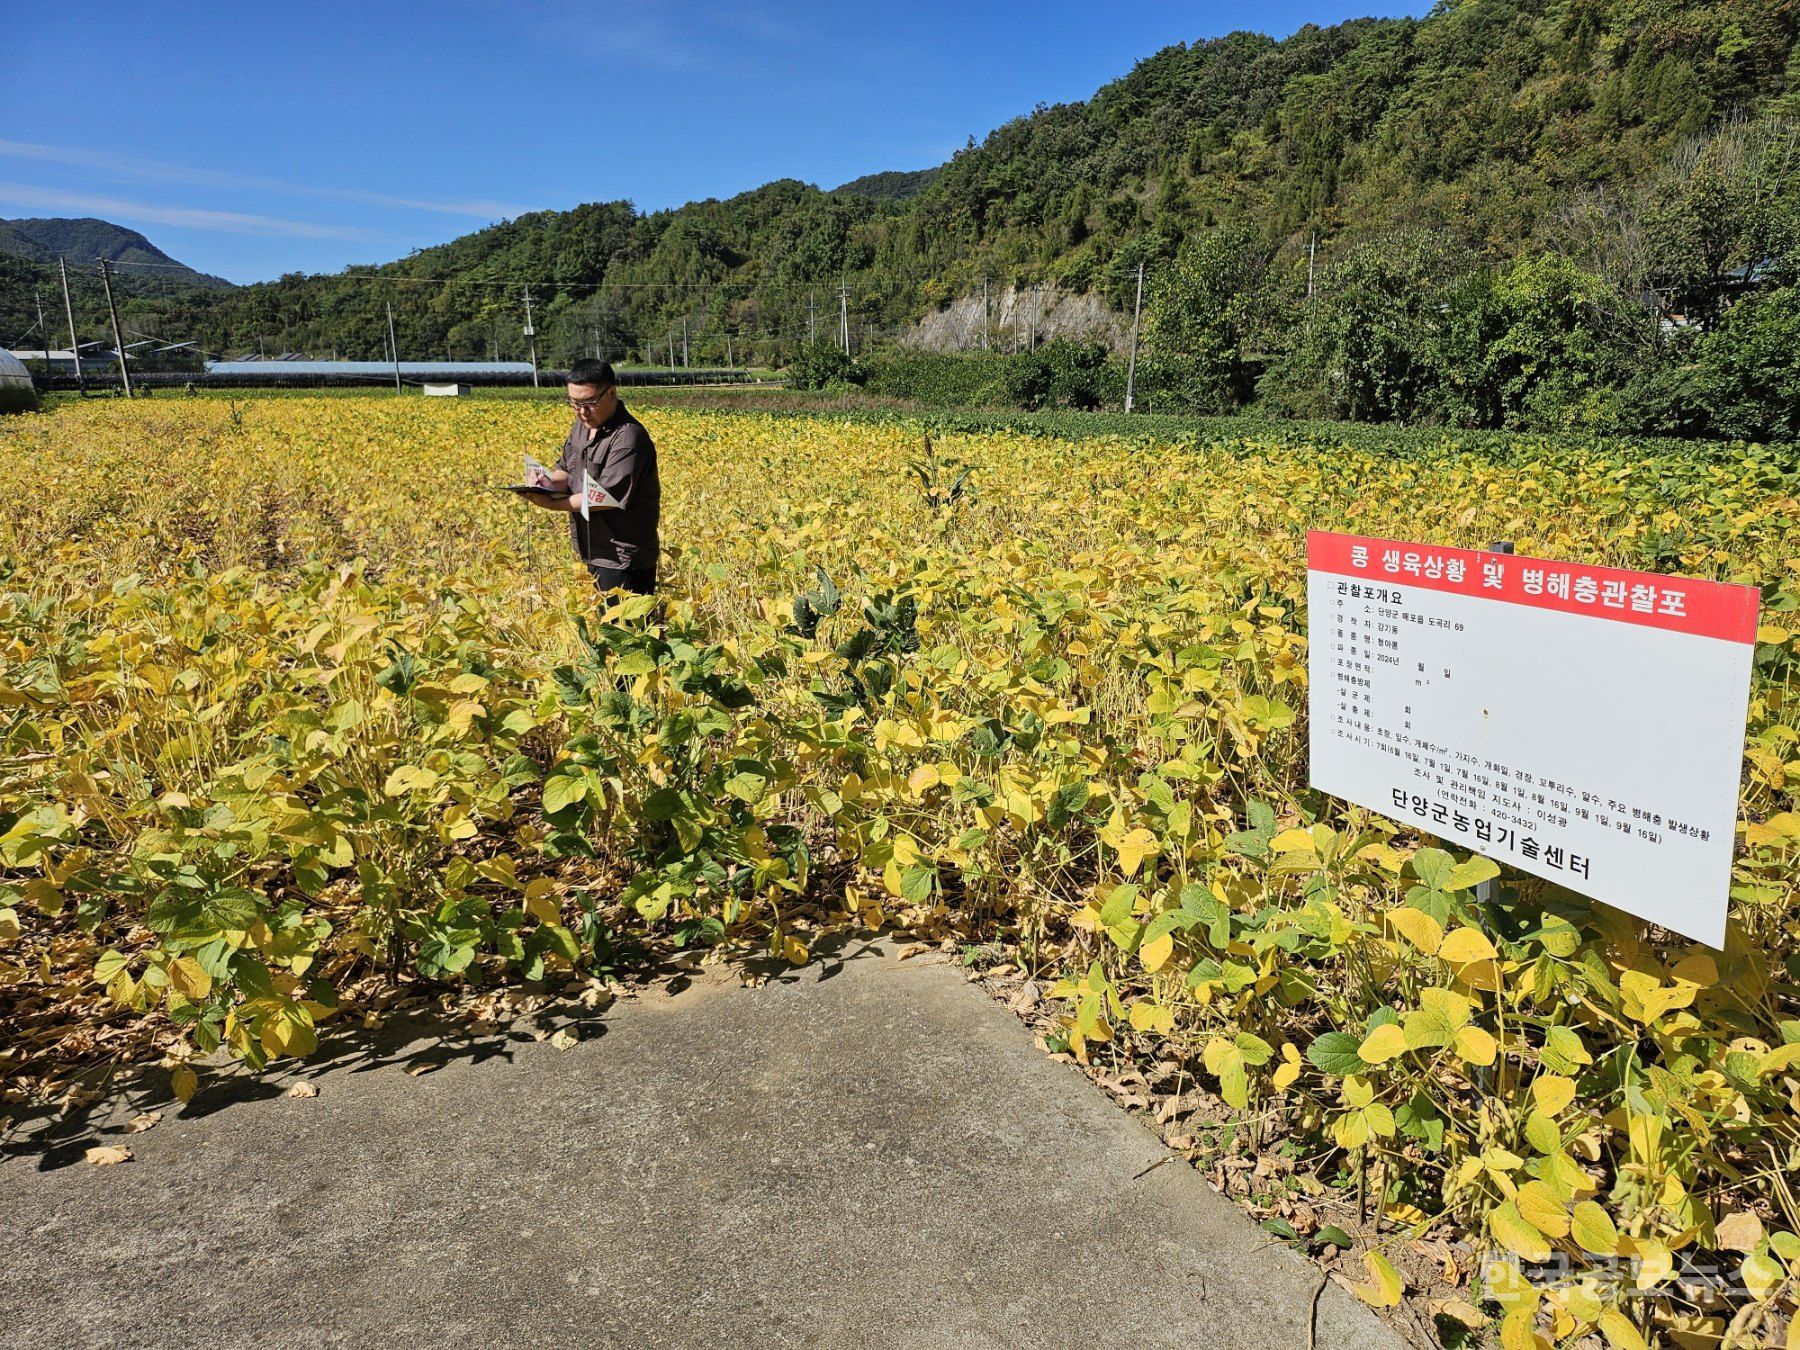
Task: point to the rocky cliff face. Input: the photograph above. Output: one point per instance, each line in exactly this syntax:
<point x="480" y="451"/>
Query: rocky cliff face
<point x="958" y="327"/>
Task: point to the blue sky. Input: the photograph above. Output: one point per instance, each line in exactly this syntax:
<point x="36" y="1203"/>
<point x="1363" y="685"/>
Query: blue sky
<point x="253" y="139"/>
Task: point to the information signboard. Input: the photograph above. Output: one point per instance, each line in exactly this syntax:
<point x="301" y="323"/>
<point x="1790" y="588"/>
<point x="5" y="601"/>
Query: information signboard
<point x="1584" y="724"/>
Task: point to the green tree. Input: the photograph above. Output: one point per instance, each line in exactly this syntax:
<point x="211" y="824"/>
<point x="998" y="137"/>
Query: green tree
<point x="1197" y="318"/>
<point x="1524" y="347"/>
<point x="1748" y="376"/>
<point x="1365" y="347"/>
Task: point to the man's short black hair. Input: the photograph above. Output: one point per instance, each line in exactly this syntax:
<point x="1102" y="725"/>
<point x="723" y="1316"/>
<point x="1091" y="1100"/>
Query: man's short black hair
<point x="589" y="371"/>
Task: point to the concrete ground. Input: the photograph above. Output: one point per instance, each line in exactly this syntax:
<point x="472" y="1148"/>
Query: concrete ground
<point x="865" y="1152"/>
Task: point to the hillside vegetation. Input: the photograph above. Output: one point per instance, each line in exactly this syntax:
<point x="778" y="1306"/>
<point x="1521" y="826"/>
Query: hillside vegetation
<point x="1636" y="158"/>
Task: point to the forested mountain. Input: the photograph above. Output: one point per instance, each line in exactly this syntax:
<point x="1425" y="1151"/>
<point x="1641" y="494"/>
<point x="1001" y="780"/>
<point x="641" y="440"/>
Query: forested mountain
<point x="1504" y="128"/>
<point x="892" y="186"/>
<point x="84" y="240"/>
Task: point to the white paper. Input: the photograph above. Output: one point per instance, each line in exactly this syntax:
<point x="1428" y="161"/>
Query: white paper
<point x="592" y="494"/>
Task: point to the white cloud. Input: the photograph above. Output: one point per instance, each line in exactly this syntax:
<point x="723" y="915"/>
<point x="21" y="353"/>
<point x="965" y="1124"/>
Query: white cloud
<point x="74" y="157"/>
<point x="227" y="222"/>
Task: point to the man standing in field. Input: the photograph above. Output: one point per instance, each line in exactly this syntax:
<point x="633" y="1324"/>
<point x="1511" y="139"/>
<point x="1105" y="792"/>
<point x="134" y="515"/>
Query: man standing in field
<point x="609" y="452"/>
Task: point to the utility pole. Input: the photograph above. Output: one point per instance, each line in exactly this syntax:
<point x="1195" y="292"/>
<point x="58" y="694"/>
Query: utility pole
<point x="671" y="351"/>
<point x="1034" y="308"/>
<point x="531" y="333"/>
<point x="69" y="309"/>
<point x="984" y="312"/>
<point x="1131" y="368"/>
<point x="393" y="345"/>
<point x="811" y="334"/>
<point x="729" y="363"/>
<point x="118" y="341"/>
<point x="1312" y="255"/>
<point x="844" y="313"/>
<point x="684" y="342"/>
<point x="43" y="334"/>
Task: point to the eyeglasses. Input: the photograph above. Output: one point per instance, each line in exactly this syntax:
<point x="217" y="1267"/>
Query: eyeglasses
<point x="583" y="404"/>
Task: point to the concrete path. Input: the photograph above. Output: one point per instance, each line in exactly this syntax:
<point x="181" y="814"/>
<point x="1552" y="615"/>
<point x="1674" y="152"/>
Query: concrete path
<point x="866" y="1152"/>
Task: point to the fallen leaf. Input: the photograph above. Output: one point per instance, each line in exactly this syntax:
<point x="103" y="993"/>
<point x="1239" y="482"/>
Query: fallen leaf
<point x="426" y="1067"/>
<point x="1739" y="1233"/>
<point x="107" y="1154"/>
<point x="303" y="1090"/>
<point x="143" y="1122"/>
<point x="911" y="950"/>
<point x="565" y="1038"/>
<point x="1460" y="1310"/>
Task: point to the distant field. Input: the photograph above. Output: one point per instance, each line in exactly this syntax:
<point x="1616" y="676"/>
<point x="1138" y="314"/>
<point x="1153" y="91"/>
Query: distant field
<point x="294" y="697"/>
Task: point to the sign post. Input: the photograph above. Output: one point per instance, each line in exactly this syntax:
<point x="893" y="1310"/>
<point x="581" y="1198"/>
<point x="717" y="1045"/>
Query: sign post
<point x="1583" y="724"/>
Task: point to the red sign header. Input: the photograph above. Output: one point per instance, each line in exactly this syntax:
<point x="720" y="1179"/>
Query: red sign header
<point x="1714" y="609"/>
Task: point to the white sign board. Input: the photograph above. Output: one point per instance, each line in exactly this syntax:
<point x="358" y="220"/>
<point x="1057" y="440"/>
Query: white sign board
<point x="1583" y="724"/>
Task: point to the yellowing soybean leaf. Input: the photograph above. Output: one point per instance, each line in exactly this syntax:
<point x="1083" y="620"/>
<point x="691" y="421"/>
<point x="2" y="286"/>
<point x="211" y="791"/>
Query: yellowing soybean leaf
<point x="1518" y="1331"/>
<point x="1512" y="1232"/>
<point x="1552" y="1093"/>
<point x="1538" y="1206"/>
<point x="1698" y="969"/>
<point x="1137" y="845"/>
<point x="1417" y="927"/>
<point x="1542" y="1133"/>
<point x="1467" y="875"/>
<point x="1155" y="953"/>
<point x="1152" y="1017"/>
<point x="1505" y="1284"/>
<point x="1382" y="1044"/>
<point x="1289" y="1068"/>
<point x="1466" y="945"/>
<point x="1581" y="1304"/>
<point x="190" y="978"/>
<point x="1761" y="1273"/>
<point x="1384" y="1286"/>
<point x="1620" y="1332"/>
<point x="1225" y="1060"/>
<point x="1293" y="841"/>
<point x="1655" y="1262"/>
<point x="1593" y="1228"/>
<point x="1475" y="1046"/>
<point x="409" y="778"/>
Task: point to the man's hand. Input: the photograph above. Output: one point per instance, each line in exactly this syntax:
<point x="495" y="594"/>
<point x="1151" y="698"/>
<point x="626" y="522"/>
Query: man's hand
<point x="558" y="478"/>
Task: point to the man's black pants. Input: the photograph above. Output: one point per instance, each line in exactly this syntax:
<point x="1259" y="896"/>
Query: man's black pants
<point x="637" y="580"/>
